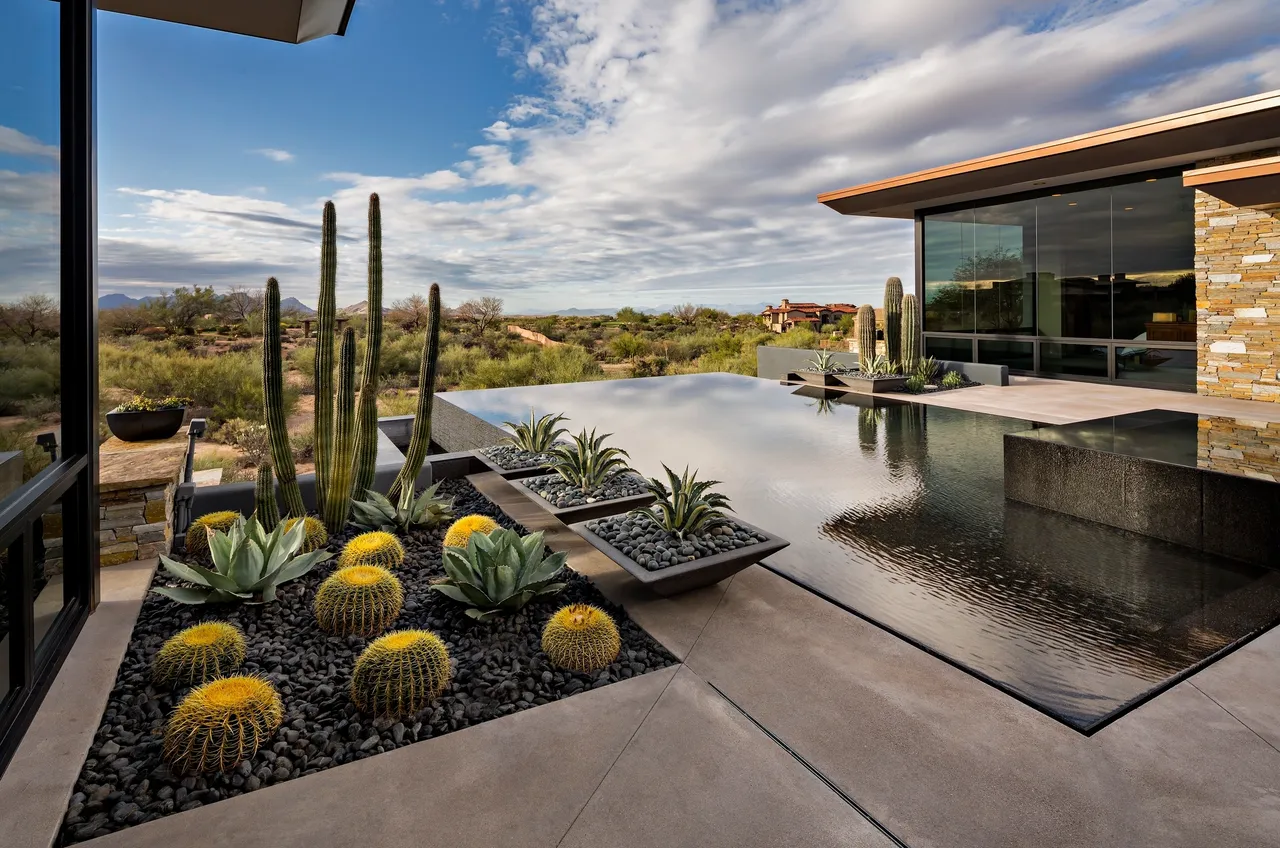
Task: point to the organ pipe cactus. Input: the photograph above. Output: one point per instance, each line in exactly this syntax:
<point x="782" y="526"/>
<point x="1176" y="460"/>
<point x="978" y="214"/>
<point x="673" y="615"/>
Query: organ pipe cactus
<point x="420" y="441"/>
<point x="337" y="497"/>
<point x="910" y="332"/>
<point x="264" y="498"/>
<point x="866" y="324"/>
<point x="367" y="427"/>
<point x="273" y="403"/>
<point x="326" y="321"/>
<point x="893" y="318"/>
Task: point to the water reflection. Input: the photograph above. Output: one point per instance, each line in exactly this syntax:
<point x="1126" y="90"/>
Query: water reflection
<point x="897" y="510"/>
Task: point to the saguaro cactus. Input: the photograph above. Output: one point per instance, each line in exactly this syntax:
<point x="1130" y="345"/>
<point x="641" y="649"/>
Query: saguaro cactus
<point x="326" y="319"/>
<point x="273" y="402"/>
<point x="866" y="324"/>
<point x="910" y="332"/>
<point x="367" y="427"/>
<point x="264" y="498"/>
<point x="420" y="441"/>
<point x="337" y="499"/>
<point x="893" y="318"/>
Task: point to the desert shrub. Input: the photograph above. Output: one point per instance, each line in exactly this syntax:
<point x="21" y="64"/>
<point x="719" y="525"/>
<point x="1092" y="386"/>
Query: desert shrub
<point x="543" y="366"/>
<point x="401" y="357"/>
<point x="397" y="403"/>
<point x="649" y="366"/>
<point x="41" y="407"/>
<point x="799" y="337"/>
<point x="626" y="346"/>
<point x="249" y="436"/>
<point x="23" y="439"/>
<point x="185" y="342"/>
<point x="456" y="362"/>
<point x="303" y="444"/>
<point x="27" y="373"/>
<point x="303" y="360"/>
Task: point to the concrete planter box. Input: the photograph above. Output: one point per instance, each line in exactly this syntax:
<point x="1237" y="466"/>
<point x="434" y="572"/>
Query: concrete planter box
<point x="509" y="474"/>
<point x="813" y="378"/>
<point x="871" y="385"/>
<point x="688" y="576"/>
<point x="586" y="512"/>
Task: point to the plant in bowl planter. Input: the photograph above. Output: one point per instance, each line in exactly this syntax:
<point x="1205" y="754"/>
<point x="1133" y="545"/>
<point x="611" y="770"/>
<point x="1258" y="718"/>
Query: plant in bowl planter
<point x="684" y="541"/>
<point x="527" y="451"/>
<point x="143" y="419"/>
<point x="590" y="480"/>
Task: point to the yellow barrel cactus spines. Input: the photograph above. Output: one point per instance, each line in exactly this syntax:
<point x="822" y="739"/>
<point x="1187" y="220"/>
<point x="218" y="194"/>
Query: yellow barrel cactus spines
<point x="198" y="532"/>
<point x="221" y="724"/>
<point x="460" y="531"/>
<point x="377" y="548"/>
<point x="314" y="537"/>
<point x="359" y="600"/>
<point x="199" y="654"/>
<point x="581" y="637"/>
<point x="400" y="673"/>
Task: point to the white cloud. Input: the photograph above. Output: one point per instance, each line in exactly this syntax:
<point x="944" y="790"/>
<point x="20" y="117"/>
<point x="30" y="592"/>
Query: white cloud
<point x="677" y="146"/>
<point x="274" y="154"/>
<point x="17" y="143"/>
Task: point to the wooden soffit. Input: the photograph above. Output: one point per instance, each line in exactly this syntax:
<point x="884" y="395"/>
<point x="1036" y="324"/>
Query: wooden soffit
<point x="1254" y="183"/>
<point x="292" y="21"/>
<point x="1174" y="141"/>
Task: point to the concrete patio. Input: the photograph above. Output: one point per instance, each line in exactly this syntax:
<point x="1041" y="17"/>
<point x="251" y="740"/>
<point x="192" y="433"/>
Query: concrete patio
<point x="790" y="721"/>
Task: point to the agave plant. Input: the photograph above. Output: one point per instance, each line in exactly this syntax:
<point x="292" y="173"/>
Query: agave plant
<point x="824" y="363"/>
<point x="688" y="506"/>
<point x="248" y="564"/>
<point x="586" y="463"/>
<point x="927" y="369"/>
<point x="377" y="512"/>
<point x="879" y="366"/>
<point x="538" y="435"/>
<point x="499" y="572"/>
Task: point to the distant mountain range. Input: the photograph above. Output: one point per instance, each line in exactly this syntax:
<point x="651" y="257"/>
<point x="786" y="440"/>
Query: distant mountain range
<point x="116" y="301"/>
<point x="731" y="308"/>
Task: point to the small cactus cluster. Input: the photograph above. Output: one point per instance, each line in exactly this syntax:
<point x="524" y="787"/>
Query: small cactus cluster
<point x="199" y="654"/>
<point x="222" y="723"/>
<point x="198" y="532"/>
<point x="398" y="674"/>
<point x="377" y="548"/>
<point x="315" y="536"/>
<point x="581" y="637"/>
<point x="460" y="531"/>
<point x="359" y="600"/>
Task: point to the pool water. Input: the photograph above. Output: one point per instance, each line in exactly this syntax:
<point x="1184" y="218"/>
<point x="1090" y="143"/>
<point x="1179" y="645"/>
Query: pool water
<point x="896" y="511"/>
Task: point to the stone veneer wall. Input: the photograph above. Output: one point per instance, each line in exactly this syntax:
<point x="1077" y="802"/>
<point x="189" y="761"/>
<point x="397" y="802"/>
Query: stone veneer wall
<point x="1235" y="446"/>
<point x="1237" y="296"/>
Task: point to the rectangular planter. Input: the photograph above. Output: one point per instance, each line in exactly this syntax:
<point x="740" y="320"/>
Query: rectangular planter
<point x="587" y="512"/>
<point x="516" y="474"/>
<point x="813" y="378"/>
<point x="687" y="576"/>
<point x="871" y="385"/>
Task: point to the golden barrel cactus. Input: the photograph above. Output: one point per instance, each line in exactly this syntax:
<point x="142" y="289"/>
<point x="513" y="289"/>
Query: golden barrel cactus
<point x="376" y="548"/>
<point x="198" y="532"/>
<point x="400" y="673"/>
<point x="359" y="600"/>
<point x="460" y="531"/>
<point x="581" y="637"/>
<point x="198" y="654"/>
<point x="314" y="537"/>
<point x="221" y="724"/>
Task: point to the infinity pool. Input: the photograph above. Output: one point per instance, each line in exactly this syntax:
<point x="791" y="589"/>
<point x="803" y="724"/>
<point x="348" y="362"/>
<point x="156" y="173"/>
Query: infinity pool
<point x="897" y="512"/>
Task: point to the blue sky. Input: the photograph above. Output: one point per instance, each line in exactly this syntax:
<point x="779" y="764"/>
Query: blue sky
<point x="562" y="153"/>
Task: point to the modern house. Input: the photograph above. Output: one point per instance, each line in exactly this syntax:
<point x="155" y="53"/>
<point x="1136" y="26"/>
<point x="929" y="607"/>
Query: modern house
<point x="52" y="124"/>
<point x="787" y="315"/>
<point x="1147" y="254"/>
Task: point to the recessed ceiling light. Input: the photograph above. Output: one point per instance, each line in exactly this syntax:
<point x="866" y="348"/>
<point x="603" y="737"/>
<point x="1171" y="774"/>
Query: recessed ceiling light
<point x="1153" y="179"/>
<point x="1128" y="209"/>
<point x="1072" y="203"/>
<point x="1057" y="195"/>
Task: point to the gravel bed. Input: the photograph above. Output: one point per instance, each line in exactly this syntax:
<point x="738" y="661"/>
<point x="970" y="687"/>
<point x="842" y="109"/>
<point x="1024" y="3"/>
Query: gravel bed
<point x="934" y="388"/>
<point x="553" y="489"/>
<point x="511" y="458"/>
<point x="640" y="537"/>
<point x="499" y="669"/>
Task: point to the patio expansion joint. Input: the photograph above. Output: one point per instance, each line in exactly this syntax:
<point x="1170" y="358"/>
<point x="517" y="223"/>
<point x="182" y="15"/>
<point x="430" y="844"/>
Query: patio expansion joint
<point x="1216" y="702"/>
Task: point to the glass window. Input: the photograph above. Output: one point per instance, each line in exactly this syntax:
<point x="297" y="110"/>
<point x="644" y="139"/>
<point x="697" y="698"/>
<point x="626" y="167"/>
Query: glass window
<point x="1073" y="359"/>
<point x="1017" y="355"/>
<point x="1004" y="264"/>
<point x="1073" y="262"/>
<point x="1153" y="258"/>
<point x="949" y="272"/>
<point x="956" y="350"/>
<point x="1173" y="368"/>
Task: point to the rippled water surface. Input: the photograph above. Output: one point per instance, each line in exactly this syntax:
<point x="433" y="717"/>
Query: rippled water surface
<point x="897" y="511"/>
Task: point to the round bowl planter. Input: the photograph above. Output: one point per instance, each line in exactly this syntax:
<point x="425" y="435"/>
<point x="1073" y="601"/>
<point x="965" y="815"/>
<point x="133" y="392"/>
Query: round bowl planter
<point x="145" y="426"/>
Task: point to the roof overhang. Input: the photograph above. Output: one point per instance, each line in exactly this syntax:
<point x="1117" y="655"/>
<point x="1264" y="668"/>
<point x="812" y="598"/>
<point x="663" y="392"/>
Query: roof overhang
<point x="292" y="21"/>
<point x="1254" y="183"/>
<point x="1174" y="141"/>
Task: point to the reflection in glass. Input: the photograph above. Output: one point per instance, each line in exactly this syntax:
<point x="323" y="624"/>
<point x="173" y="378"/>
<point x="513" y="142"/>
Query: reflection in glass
<point x="1074" y="264"/>
<point x="1153" y="237"/>
<point x="29" y="227"/>
<point x="956" y="350"/>
<point x="1171" y="367"/>
<point x="949" y="268"/>
<point x="1017" y="355"/>
<point x="1003" y="267"/>
<point x="1073" y="359"/>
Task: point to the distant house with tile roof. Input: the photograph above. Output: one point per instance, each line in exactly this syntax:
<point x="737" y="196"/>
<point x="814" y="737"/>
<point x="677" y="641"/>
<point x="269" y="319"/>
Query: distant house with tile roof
<point x="787" y="315"/>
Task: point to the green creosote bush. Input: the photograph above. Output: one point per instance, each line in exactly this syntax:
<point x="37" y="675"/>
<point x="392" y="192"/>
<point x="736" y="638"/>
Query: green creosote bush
<point x="393" y="402"/>
<point x="915" y="384"/>
<point x="540" y="367"/>
<point x="952" y="380"/>
<point x="28" y="373"/>
<point x="23" y="439"/>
